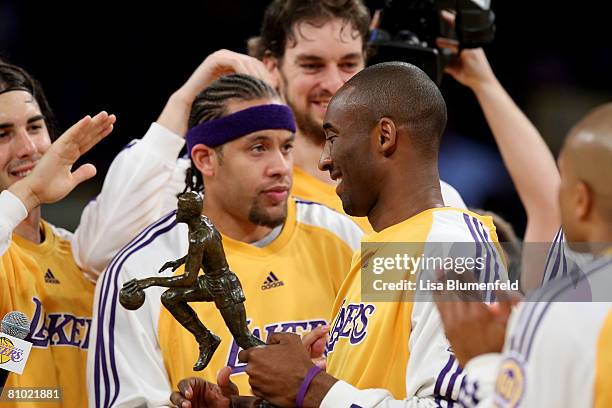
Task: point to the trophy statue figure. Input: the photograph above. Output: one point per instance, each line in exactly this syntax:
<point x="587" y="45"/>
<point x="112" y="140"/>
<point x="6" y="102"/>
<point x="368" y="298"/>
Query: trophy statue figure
<point x="218" y="284"/>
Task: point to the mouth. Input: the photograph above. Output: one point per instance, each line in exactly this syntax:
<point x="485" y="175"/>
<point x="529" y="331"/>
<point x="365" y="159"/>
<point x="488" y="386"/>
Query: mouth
<point x="276" y="194"/>
<point x="336" y="175"/>
<point x="320" y="104"/>
<point x="22" y="171"/>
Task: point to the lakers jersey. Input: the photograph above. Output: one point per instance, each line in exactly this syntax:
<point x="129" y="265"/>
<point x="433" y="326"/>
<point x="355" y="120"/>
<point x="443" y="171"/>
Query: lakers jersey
<point x="310" y="188"/>
<point x="290" y="285"/>
<point x="44" y="282"/>
<point x="398" y="344"/>
<point x="52" y="282"/>
<point x="558" y="348"/>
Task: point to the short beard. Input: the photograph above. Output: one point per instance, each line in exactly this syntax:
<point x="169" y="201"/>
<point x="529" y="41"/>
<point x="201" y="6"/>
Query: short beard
<point x="306" y="124"/>
<point x="259" y="216"/>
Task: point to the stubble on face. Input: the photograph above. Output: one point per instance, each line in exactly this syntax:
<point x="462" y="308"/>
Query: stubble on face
<point x="258" y="214"/>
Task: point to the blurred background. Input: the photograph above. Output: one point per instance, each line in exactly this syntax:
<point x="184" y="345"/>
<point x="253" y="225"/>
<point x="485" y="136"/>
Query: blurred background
<point x="128" y="57"/>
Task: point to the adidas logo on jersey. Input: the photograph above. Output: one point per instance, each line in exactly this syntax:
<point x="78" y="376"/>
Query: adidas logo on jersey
<point x="271" y="282"/>
<point x="50" y="278"/>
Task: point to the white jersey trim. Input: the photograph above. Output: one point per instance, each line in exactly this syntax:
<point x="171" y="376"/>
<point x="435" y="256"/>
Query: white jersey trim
<point x="321" y="216"/>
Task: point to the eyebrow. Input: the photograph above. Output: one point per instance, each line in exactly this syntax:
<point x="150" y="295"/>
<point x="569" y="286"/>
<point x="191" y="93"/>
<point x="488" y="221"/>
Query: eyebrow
<point x="263" y="138"/>
<point x="31" y="120"/>
<point x="327" y="125"/>
<point x="310" y="57"/>
<point x="36" y="118"/>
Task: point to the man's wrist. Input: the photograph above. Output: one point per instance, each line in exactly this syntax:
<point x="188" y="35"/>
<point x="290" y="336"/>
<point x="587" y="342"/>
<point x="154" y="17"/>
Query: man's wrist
<point x="319" y="387"/>
<point x="24" y="193"/>
<point x="183" y="96"/>
<point x="484" y="85"/>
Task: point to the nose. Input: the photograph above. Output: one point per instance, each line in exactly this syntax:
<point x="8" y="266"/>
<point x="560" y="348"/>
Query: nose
<point x="23" y="144"/>
<point x="325" y="161"/>
<point x="333" y="79"/>
<point x="280" y="164"/>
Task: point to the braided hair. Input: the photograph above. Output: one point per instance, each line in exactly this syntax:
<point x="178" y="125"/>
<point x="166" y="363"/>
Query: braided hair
<point x="211" y="104"/>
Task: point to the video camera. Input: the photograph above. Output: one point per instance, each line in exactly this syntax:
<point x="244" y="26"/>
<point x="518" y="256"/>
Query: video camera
<point x="408" y="30"/>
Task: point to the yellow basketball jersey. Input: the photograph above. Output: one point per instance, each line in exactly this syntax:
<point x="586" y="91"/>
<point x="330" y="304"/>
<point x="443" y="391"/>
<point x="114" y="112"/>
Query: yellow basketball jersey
<point x="371" y="342"/>
<point x="290" y="286"/>
<point x="45" y="283"/>
<point x="310" y="188"/>
<point x="603" y="366"/>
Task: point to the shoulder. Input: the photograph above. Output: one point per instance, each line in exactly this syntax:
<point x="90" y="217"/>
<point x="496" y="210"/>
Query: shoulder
<point x="452" y="225"/>
<point x="561" y="306"/>
<point x="321" y="216"/>
<point x="451" y="196"/>
<point x="61" y="233"/>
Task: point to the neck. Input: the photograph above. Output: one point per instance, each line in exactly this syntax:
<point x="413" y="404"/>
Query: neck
<point x="30" y="227"/>
<point x="600" y="237"/>
<point x="306" y="155"/>
<point x="237" y="229"/>
<point x="400" y="199"/>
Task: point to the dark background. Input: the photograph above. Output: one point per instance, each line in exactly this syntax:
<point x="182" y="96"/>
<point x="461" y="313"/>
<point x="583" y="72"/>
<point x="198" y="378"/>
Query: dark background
<point x="554" y="59"/>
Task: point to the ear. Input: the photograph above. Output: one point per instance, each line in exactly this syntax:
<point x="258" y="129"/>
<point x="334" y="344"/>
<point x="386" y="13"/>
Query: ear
<point x="272" y="64"/>
<point x="584" y="201"/>
<point x="386" y="136"/>
<point x="205" y="159"/>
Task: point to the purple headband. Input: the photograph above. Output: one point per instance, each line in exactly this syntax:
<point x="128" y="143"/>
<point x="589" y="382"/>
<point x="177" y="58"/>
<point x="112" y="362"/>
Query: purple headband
<point x="219" y="131"/>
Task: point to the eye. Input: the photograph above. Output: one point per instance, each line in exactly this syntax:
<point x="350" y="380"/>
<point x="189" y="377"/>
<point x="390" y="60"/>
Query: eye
<point x="287" y="147"/>
<point x="331" y="138"/>
<point x="35" y="128"/>
<point x="311" y="67"/>
<point x="258" y="148"/>
<point x="349" y="66"/>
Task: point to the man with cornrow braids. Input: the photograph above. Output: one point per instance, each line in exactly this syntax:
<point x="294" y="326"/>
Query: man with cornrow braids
<point x="291" y="256"/>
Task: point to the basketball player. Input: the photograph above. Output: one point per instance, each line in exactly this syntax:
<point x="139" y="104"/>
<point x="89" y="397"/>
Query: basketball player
<point x="539" y="351"/>
<point x="46" y="272"/>
<point x="291" y="256"/>
<point x="383" y="130"/>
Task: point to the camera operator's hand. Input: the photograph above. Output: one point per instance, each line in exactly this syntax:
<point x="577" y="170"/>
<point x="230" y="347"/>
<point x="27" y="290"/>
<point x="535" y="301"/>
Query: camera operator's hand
<point x="469" y="67"/>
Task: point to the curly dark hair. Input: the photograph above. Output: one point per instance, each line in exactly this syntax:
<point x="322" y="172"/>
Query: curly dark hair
<point x="281" y="16"/>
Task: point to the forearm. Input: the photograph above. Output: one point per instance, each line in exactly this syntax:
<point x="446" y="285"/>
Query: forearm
<point x="318" y="389"/>
<point x="479" y="386"/>
<point x="526" y="156"/>
<point x="12" y="212"/>
<point x="175" y="114"/>
<point x="132" y="197"/>
<point x="344" y="395"/>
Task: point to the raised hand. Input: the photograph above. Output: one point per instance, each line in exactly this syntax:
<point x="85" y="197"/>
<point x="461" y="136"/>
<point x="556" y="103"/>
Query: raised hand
<point x="223" y="62"/>
<point x="471" y="326"/>
<point x="52" y="179"/>
<point x="470" y="67"/>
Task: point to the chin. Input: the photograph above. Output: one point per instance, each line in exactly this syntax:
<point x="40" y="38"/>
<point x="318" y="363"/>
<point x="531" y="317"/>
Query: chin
<point x="351" y="209"/>
<point x="270" y="217"/>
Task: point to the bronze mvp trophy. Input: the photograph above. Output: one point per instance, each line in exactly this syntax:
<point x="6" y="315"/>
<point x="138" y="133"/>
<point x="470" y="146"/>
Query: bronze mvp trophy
<point x="218" y="284"/>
